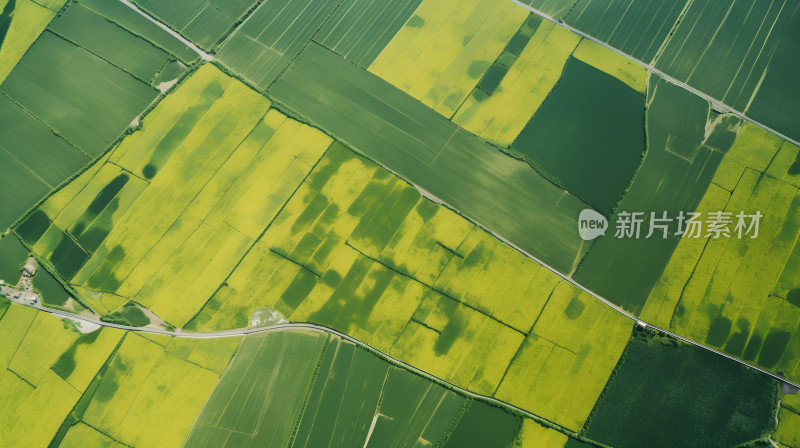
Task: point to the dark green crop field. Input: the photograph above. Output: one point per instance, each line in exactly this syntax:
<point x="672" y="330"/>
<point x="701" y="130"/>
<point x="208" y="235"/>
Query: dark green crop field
<point x="666" y="393"/>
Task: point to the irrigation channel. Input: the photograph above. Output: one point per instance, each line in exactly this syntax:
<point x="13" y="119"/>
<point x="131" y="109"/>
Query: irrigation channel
<point x="786" y="385"/>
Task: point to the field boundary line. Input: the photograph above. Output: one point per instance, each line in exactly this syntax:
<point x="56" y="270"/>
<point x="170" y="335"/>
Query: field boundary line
<point x="715" y="103"/>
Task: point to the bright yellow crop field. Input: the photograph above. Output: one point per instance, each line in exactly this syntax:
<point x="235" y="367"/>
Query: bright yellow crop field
<point x="616" y="65"/>
<point x="745" y="310"/>
<point x="29" y="19"/>
<point x="359" y="250"/>
<point x="534" y="435"/>
<point x="501" y="117"/>
<point x="445" y="47"/>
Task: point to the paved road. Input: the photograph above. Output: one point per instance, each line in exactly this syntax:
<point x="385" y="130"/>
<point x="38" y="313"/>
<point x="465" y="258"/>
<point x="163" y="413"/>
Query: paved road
<point x="195" y="48"/>
<point x="717" y="104"/>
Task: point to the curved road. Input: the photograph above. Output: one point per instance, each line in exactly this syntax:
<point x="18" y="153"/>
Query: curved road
<point x="318" y="328"/>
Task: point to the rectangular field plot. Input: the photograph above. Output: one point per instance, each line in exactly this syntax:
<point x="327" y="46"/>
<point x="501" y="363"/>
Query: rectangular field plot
<point x="739" y="295"/>
<point x="360" y="29"/>
<point x="597" y="163"/>
<point x="708" y="400"/>
<point x="777" y="100"/>
<point x="33" y="161"/>
<point x="84" y="98"/>
<point x="118" y="13"/>
<point x="121" y="401"/>
<point x="272" y="36"/>
<point x="497" y="191"/>
<point x="469" y="35"/>
<point x="98" y="35"/>
<point x="359" y="250"/>
<point x="12" y="256"/>
<point x="626" y="270"/>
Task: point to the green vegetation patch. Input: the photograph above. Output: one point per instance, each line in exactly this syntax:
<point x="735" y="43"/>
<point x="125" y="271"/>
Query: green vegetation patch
<point x="119" y="13"/>
<point x="626" y="270"/>
<point x="636" y="28"/>
<point x="203" y="22"/>
<point x="484" y="426"/>
<point x="360" y="29"/>
<point x="667" y="393"/>
<point x="81" y="96"/>
<point x="33" y="161"/>
<point x="107" y="40"/>
<point x="12" y="256"/>
<point x="52" y="292"/>
<point x="588" y="135"/>
<point x="272" y="37"/>
<point x="130" y="314"/>
<point x="424" y="147"/>
<point x="260" y="397"/>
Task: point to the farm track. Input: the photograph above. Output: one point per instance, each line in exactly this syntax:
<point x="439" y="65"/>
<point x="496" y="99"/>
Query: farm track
<point x="787" y="385"/>
<point x="173" y="33"/>
<point x="715" y="103"/>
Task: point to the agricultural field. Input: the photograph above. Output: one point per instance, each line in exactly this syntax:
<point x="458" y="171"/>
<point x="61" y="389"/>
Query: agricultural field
<point x="457" y="168"/>
<point x="355" y="223"/>
<point x="272" y="36"/>
<point x="95" y="235"/>
<point x="777" y="100"/>
<point x="314" y="407"/>
<point x="136" y="24"/>
<point x="597" y="163"/>
<point x="311" y="242"/>
<point x="708" y="400"/>
<point x="12" y="256"/>
<point x="686" y="142"/>
<point x="470" y="36"/>
<point x="416" y="280"/>
<point x="33" y="161"/>
<point x="723" y="59"/>
<point x="736" y="294"/>
<point x="358" y="30"/>
<point x="203" y="22"/>
<point x="73" y="77"/>
<point x="788" y="433"/>
<point x="101" y="385"/>
<point x="743" y="54"/>
<point x="21" y="22"/>
<point x="57" y="76"/>
<point x="518" y="81"/>
<point x="636" y="28"/>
